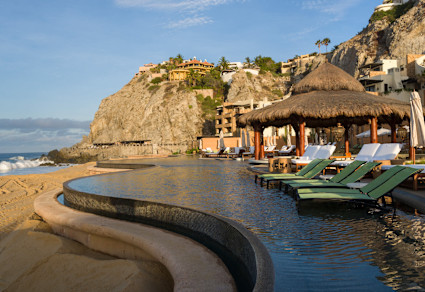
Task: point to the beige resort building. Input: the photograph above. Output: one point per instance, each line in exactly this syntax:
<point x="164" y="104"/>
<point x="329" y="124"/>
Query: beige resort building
<point x="184" y="68"/>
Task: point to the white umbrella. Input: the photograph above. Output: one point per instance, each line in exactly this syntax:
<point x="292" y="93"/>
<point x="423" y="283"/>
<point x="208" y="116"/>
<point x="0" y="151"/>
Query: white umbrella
<point x="381" y="132"/>
<point x="248" y="140"/>
<point x="288" y="135"/>
<point x="267" y="141"/>
<point x="222" y="146"/>
<point x="305" y="139"/>
<point x="417" y="124"/>
<point x="200" y="143"/>
<point x="316" y="139"/>
<point x="243" y="139"/>
<point x="274" y="140"/>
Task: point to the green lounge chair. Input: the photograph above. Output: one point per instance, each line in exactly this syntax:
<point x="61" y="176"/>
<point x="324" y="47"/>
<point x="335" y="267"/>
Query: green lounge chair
<point x="310" y="174"/>
<point x="349" y="174"/>
<point x="302" y="172"/>
<point x="381" y="186"/>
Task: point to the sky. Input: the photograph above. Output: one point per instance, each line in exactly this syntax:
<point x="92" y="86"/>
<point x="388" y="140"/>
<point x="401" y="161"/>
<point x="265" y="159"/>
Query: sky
<point x="59" y="59"/>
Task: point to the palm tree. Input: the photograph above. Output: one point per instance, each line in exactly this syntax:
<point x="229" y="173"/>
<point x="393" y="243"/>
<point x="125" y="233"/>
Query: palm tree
<point x="318" y="43"/>
<point x="223" y="63"/>
<point x="248" y="62"/>
<point x="179" y="58"/>
<point x="326" y="42"/>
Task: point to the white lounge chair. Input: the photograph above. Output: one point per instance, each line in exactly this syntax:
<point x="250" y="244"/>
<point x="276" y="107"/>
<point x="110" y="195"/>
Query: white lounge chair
<point x="323" y="152"/>
<point x="288" y="150"/>
<point x="366" y="154"/>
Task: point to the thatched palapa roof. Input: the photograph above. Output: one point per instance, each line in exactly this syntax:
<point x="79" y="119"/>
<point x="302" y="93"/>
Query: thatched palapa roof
<point x="325" y="97"/>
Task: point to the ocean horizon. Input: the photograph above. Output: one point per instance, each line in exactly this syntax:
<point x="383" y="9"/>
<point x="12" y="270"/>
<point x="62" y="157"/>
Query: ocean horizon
<point x="21" y="163"/>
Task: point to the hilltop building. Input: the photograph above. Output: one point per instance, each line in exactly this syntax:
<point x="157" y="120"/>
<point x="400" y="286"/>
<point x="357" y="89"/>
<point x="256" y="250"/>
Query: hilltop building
<point x="183" y="69"/>
<point x="394" y="78"/>
<point x="389" y="4"/>
<point x="147" y="67"/>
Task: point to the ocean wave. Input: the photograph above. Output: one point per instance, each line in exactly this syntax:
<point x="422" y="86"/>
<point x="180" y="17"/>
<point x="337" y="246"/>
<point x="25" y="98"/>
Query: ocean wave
<point x="6" y="166"/>
<point x="17" y="158"/>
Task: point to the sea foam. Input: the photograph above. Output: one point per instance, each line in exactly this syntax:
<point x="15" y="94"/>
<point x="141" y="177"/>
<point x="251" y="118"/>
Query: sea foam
<point x="6" y="166"/>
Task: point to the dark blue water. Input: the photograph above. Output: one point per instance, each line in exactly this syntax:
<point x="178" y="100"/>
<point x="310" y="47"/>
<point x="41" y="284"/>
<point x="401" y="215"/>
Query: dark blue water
<point x="314" y="248"/>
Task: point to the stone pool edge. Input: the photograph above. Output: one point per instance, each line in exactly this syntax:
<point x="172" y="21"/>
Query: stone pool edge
<point x="243" y="253"/>
<point x="183" y="258"/>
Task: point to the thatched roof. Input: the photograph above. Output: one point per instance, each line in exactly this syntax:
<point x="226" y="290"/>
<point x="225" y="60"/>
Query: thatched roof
<point x="325" y="97"/>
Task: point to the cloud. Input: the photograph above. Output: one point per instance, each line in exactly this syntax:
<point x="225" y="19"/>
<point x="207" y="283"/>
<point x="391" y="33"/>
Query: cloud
<point x="336" y="8"/>
<point x="48" y="124"/>
<point x="190" y="21"/>
<point x="188" y="5"/>
<point x="189" y="9"/>
<point x="33" y="135"/>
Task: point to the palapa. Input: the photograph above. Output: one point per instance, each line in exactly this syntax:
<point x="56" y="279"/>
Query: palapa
<point x="325" y="97"/>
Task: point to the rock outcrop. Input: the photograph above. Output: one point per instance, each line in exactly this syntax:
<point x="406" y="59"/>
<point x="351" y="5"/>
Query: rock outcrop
<point x="247" y="86"/>
<point x="164" y="114"/>
<point x="382" y="39"/>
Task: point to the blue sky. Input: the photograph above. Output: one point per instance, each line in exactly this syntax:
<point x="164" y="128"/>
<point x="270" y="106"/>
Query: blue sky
<point x="59" y="59"/>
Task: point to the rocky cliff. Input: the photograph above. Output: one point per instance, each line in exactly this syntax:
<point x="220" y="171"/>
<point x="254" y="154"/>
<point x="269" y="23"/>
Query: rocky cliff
<point x="166" y="113"/>
<point x="247" y="86"/>
<point x="384" y="39"/>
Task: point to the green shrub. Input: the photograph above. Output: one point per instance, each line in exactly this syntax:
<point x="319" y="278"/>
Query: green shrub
<point x="249" y="75"/>
<point x="156" y="80"/>
<point x="153" y="88"/>
<point x="277" y="92"/>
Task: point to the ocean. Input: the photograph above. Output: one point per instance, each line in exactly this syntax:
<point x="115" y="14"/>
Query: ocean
<point x="24" y="163"/>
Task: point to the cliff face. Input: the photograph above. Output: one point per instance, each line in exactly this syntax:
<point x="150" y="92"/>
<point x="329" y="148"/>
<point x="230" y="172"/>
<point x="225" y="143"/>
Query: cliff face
<point x="165" y="113"/>
<point x="246" y="86"/>
<point x="382" y="39"/>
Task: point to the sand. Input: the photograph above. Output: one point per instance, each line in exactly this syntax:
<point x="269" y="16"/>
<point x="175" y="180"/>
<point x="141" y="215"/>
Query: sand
<point x="32" y="258"/>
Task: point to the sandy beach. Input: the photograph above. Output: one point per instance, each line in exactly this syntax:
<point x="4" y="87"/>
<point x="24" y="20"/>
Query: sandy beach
<point x="35" y="259"/>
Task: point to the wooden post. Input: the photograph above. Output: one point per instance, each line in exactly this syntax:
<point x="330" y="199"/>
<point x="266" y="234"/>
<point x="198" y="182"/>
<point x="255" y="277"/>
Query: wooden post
<point x="347" y="141"/>
<point x="393" y="133"/>
<point x="257" y="142"/>
<point x="302" y="137"/>
<point x="297" y="140"/>
<point x="261" y="143"/>
<point x="412" y="154"/>
<point x="374" y="130"/>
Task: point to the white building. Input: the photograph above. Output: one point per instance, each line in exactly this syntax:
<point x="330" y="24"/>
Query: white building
<point x="394" y="78"/>
<point x="389" y="4"/>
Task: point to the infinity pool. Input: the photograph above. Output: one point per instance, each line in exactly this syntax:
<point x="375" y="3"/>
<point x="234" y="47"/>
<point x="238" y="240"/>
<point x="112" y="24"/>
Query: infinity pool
<point x="314" y="248"/>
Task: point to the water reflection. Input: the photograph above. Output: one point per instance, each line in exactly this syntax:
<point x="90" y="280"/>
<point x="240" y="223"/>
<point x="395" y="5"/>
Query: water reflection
<point x="330" y="248"/>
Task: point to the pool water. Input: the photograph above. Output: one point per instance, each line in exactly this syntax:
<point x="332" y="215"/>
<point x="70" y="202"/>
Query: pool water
<point x="314" y="247"/>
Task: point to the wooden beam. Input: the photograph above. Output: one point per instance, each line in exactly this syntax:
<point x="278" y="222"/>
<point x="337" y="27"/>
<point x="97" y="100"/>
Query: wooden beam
<point x="393" y="133"/>
<point x="347" y="141"/>
<point x="257" y="142"/>
<point x="302" y="137"/>
<point x="374" y="130"/>
<point x="262" y="154"/>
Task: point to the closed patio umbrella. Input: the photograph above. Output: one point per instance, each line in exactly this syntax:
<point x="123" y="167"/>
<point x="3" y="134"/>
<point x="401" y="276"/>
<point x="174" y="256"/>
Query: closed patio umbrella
<point x="243" y="139"/>
<point x="288" y="135"/>
<point x="248" y="140"/>
<point x="222" y="146"/>
<point x="417" y="124"/>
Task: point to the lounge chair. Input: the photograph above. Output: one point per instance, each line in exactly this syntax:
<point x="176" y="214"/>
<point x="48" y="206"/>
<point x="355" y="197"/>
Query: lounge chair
<point x="322" y="152"/>
<point x="300" y="173"/>
<point x="379" y="187"/>
<point x="310" y="174"/>
<point x="352" y="173"/>
<point x="418" y="178"/>
<point x="287" y="150"/>
<point x="374" y="151"/>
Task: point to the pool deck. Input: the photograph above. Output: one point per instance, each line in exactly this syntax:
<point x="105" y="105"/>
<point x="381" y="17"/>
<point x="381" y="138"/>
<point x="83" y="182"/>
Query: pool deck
<point x="409" y="197"/>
